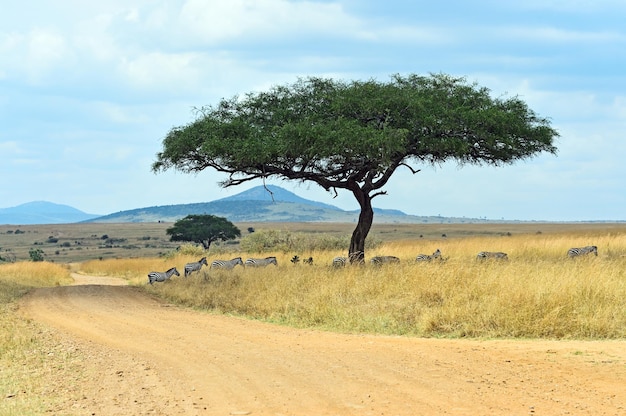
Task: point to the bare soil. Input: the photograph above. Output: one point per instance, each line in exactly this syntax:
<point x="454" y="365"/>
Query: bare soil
<point x="146" y="357"/>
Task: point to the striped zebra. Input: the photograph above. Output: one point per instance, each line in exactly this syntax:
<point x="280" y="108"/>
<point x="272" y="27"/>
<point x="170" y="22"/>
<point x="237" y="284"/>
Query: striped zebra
<point x="194" y="267"/>
<point x="582" y="251"/>
<point x="261" y="262"/>
<point x="497" y="255"/>
<point x="226" y="264"/>
<point x="426" y="257"/>
<point x="340" y="261"/>
<point x="378" y="260"/>
<point x="162" y="276"/>
<point x="354" y="258"/>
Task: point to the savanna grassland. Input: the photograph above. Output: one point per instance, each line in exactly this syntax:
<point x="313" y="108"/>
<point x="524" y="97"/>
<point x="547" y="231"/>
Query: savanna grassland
<point x="538" y="293"/>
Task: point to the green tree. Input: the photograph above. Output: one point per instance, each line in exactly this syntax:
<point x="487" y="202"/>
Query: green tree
<point x="36" y="254"/>
<point x="203" y="229"/>
<point x="354" y="135"/>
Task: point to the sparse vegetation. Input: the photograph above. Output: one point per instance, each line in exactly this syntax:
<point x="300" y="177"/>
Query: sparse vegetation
<point x="539" y="293"/>
<point x="286" y="241"/>
<point x="36" y="254"/>
<point x="27" y="352"/>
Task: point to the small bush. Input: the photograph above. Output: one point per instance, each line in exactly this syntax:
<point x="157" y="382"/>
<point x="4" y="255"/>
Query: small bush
<point x="36" y="254"/>
<point x="286" y="241"/>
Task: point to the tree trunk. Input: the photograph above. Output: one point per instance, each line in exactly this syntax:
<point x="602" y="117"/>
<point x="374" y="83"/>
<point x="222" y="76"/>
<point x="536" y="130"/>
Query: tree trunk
<point x="356" y="253"/>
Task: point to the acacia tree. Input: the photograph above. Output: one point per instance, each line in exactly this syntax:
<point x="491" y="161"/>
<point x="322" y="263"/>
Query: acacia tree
<point x="354" y="135"/>
<point x="203" y="229"/>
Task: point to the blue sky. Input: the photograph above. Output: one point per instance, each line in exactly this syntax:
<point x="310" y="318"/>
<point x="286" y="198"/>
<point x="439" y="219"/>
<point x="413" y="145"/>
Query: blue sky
<point x="88" y="90"/>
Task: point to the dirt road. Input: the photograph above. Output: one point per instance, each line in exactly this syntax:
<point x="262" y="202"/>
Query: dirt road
<point x="148" y="357"/>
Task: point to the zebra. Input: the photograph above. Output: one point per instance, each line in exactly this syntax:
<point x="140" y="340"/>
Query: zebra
<point x="497" y="255"/>
<point x="261" y="262"/>
<point x="354" y="258"/>
<point x="426" y="257"/>
<point x="582" y="251"/>
<point x="162" y="276"/>
<point x="194" y="267"/>
<point x="378" y="260"/>
<point x="340" y="261"/>
<point x="226" y="264"/>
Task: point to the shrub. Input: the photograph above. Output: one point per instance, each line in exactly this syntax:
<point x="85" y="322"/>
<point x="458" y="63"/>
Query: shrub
<point x="36" y="254"/>
<point x="286" y="241"/>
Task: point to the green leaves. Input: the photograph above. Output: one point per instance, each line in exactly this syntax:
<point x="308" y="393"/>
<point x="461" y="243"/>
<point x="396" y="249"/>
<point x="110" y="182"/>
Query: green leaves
<point x="354" y="135"/>
<point x="322" y="127"/>
<point x="203" y="229"/>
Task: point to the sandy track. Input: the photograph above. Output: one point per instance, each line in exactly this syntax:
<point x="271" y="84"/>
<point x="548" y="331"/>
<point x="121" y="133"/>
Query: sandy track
<point x="148" y="357"/>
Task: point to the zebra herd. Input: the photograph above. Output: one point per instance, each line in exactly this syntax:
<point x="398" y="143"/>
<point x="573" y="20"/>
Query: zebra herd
<point x="337" y="262"/>
<point x="215" y="264"/>
<point x="481" y="256"/>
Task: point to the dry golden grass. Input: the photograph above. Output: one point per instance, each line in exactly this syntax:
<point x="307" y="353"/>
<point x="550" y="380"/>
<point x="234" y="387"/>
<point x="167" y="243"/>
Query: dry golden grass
<point x="538" y="293"/>
<point x="27" y="352"/>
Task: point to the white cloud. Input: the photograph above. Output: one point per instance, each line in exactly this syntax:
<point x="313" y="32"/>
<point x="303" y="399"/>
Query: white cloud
<point x="162" y="71"/>
<point x="228" y="20"/>
<point x="10" y="149"/>
<point x="119" y="114"/>
<point x="36" y="54"/>
<point x="112" y="77"/>
<point x="45" y="50"/>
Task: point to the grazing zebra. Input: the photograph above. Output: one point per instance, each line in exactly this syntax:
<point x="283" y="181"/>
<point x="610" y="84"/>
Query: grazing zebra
<point x="497" y="255"/>
<point x="582" y="251"/>
<point x="162" y="276"/>
<point x="226" y="264"/>
<point x="426" y="257"/>
<point x="261" y="262"/>
<point x="378" y="260"/>
<point x="194" y="267"/>
<point x="340" y="261"/>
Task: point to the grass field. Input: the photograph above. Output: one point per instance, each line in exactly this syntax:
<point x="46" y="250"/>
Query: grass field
<point x="69" y="243"/>
<point x="537" y="293"/>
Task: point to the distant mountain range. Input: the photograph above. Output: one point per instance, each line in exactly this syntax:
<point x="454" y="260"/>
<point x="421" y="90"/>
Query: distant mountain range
<point x="258" y="204"/>
<point x="42" y="212"/>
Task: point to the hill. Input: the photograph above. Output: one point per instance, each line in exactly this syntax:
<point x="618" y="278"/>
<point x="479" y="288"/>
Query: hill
<point x="42" y="212"/>
<point x="258" y="204"/>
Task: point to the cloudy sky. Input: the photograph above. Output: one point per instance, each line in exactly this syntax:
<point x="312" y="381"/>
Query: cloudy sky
<point x="88" y="90"/>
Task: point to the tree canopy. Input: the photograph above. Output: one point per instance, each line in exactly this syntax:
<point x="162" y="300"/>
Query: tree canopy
<point x="203" y="229"/>
<point x="354" y="135"/>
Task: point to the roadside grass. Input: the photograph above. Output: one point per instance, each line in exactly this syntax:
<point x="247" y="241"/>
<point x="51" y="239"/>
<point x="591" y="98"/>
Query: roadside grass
<point x="28" y="354"/>
<point x="537" y="293"/>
